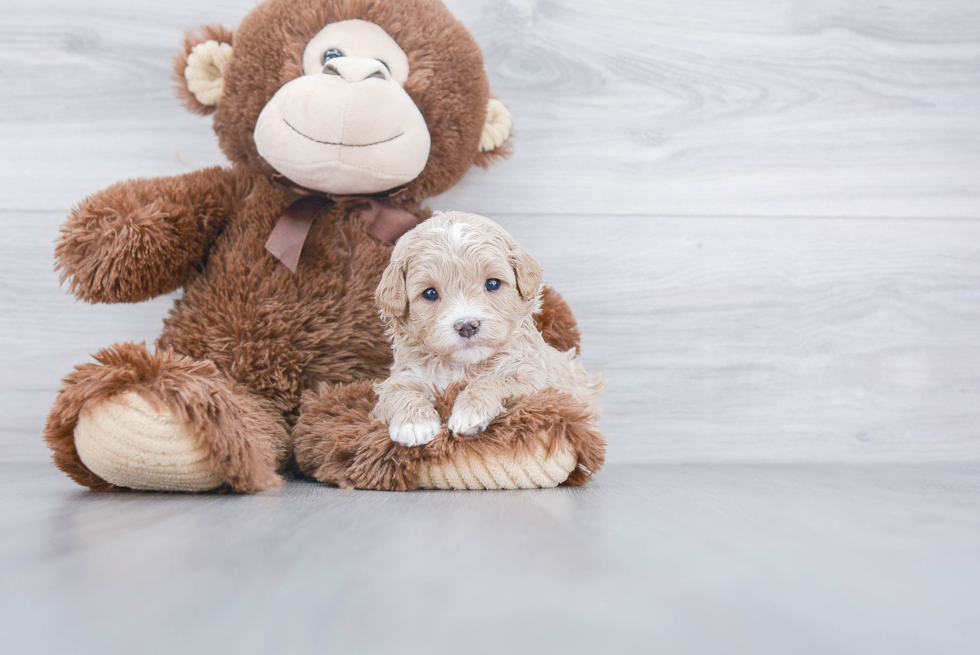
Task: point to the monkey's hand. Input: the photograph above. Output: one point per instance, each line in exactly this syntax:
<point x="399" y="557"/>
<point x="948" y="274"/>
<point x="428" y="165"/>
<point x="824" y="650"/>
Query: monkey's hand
<point x="556" y="322"/>
<point x="142" y="238"/>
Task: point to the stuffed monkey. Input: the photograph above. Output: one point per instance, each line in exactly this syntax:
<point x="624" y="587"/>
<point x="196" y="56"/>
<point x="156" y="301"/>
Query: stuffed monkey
<point x="339" y="117"/>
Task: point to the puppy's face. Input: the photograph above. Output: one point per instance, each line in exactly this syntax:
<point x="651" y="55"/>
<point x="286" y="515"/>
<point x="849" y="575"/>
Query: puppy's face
<point x="458" y="286"/>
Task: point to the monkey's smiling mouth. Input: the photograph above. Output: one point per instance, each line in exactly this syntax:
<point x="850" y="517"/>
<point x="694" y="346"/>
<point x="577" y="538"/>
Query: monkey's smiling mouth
<point x="337" y="143"/>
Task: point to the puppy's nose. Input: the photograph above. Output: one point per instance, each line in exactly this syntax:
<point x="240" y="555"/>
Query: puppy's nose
<point x="467" y="327"/>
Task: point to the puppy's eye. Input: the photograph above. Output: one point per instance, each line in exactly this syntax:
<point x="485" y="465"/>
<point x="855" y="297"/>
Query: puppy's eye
<point x="332" y="53"/>
<point x="430" y="294"/>
<point x="492" y="284"/>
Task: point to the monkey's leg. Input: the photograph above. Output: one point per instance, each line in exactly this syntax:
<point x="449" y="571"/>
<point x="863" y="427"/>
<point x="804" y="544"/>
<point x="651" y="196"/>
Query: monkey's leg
<point x="163" y="422"/>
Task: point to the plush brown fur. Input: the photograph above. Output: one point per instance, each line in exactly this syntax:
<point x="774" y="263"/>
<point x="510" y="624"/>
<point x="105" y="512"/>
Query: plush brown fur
<point x="337" y="442"/>
<point x="446" y="80"/>
<point x="246" y="440"/>
<point x="140" y="239"/>
<point x="248" y="336"/>
<point x="556" y="323"/>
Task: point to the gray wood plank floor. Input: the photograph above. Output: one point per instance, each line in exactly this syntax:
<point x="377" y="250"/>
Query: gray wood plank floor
<point x="766" y="217"/>
<point x="650" y="559"/>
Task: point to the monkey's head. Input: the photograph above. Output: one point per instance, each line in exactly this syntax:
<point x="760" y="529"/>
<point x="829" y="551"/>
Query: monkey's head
<point x="347" y="96"/>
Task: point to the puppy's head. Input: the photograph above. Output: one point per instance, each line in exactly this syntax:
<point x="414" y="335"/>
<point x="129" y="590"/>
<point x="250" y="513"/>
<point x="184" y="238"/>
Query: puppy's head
<point x="458" y="286"/>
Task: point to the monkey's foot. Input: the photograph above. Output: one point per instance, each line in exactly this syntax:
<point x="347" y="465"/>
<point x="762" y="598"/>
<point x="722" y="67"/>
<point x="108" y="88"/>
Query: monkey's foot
<point x="166" y="422"/>
<point x="542" y="440"/>
<point x="127" y="441"/>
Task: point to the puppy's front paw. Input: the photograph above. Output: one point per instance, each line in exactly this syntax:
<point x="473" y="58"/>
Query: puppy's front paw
<point x="414" y="434"/>
<point x="470" y="419"/>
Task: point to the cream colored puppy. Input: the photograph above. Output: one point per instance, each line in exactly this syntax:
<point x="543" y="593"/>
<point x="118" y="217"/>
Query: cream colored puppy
<point x="458" y="298"/>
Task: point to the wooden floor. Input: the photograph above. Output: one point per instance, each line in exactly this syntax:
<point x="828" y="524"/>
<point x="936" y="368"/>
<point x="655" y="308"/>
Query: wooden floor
<point x="711" y="558"/>
<point x="766" y="217"/>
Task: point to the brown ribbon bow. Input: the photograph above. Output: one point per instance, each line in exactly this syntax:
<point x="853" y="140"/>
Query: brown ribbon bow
<point x="385" y="221"/>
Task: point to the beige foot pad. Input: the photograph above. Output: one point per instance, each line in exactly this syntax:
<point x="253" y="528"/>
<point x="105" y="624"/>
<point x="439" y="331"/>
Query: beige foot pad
<point x="471" y="470"/>
<point x="128" y="442"/>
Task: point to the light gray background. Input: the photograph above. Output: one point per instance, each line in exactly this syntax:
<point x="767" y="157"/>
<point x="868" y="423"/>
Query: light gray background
<point x="766" y="216"/>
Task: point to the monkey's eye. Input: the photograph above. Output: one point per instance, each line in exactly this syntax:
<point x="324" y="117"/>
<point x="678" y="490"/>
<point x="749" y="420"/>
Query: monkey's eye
<point x="332" y="53"/>
<point x="430" y="294"/>
<point x="492" y="284"/>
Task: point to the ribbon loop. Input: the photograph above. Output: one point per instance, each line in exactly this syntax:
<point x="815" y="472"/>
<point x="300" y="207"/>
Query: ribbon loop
<point x="286" y="240"/>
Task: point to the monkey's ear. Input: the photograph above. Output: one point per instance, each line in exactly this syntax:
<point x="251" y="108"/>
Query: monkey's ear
<point x="528" y="273"/>
<point x="199" y="70"/>
<point x="495" y="139"/>
<point x="392" y="295"/>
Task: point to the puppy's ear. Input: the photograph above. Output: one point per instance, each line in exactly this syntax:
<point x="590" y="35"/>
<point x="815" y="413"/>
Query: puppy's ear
<point x="392" y="295"/>
<point x="199" y="69"/>
<point x="528" y="273"/>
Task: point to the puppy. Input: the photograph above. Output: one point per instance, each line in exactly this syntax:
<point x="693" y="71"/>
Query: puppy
<point x="458" y="299"/>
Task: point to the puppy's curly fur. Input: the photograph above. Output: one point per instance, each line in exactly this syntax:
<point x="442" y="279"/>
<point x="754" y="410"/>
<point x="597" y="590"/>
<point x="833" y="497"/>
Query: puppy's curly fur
<point x="458" y="299"/>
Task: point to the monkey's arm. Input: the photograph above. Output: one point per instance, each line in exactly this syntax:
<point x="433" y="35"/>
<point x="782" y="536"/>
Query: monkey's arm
<point x="556" y="322"/>
<point x="142" y="238"/>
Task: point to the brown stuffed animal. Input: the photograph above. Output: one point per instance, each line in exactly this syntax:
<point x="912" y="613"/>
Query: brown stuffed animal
<point x="340" y="117"/>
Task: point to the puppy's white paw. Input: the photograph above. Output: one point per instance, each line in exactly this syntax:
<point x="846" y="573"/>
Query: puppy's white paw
<point x="469" y="421"/>
<point x="414" y="434"/>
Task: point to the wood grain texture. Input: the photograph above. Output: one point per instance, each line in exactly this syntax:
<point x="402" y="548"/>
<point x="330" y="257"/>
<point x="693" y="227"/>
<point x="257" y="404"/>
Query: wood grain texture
<point x="773" y="340"/>
<point x="669" y="559"/>
<point x="751" y="339"/>
<point x="765" y="214"/>
<point x="675" y="107"/>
